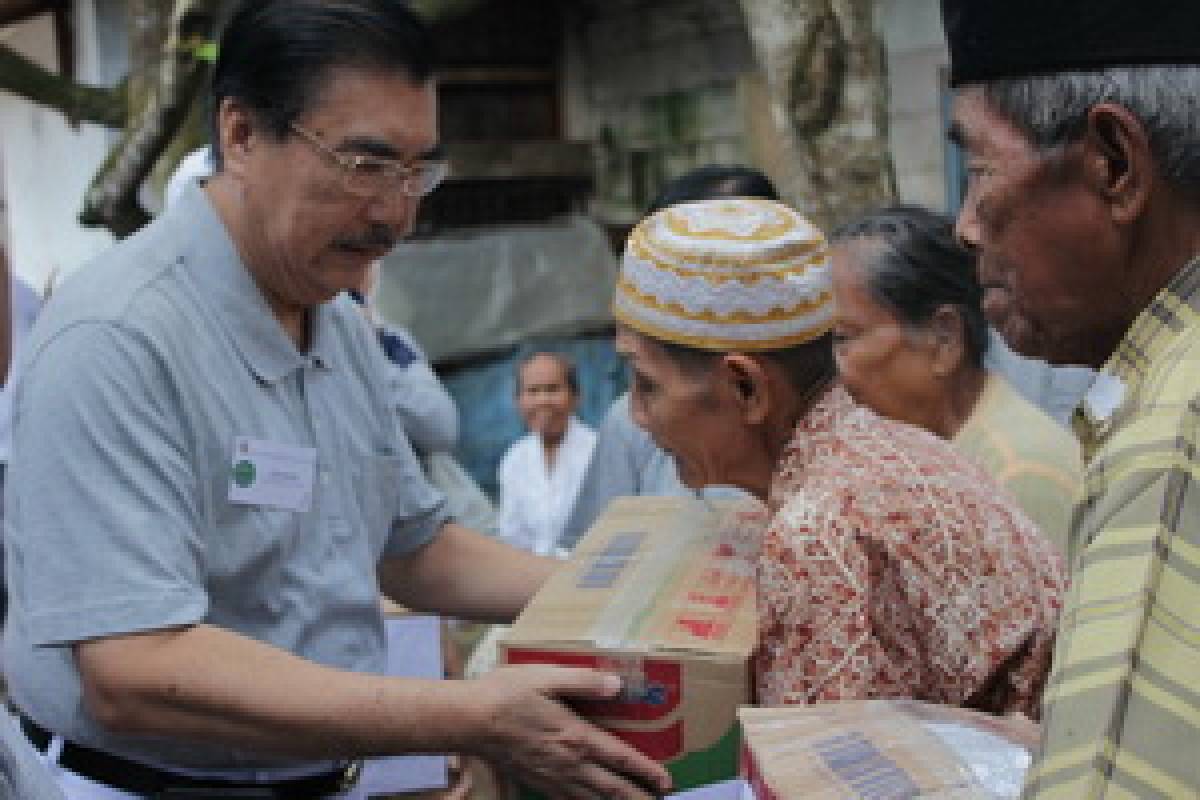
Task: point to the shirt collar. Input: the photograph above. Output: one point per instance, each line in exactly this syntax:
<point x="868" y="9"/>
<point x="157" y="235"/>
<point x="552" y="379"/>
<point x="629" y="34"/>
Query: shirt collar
<point x="1154" y="332"/>
<point x="810" y="438"/>
<point x="210" y="259"/>
<point x="1103" y="398"/>
<point x="570" y="440"/>
<point x="573" y="432"/>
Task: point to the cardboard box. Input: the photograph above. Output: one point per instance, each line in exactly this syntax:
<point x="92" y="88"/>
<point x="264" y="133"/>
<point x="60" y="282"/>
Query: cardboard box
<point x="661" y="592"/>
<point x="881" y="748"/>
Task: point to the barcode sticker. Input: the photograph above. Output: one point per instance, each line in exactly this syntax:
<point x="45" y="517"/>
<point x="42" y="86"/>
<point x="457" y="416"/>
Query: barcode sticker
<point x="864" y="770"/>
<point x="607" y="566"/>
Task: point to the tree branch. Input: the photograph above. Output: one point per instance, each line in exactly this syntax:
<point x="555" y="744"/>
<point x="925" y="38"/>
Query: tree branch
<point x="111" y="201"/>
<point x="76" y="101"/>
<point x="14" y="11"/>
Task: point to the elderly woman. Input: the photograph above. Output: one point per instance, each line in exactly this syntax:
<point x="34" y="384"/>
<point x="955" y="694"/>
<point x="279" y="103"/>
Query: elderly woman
<point x="910" y="340"/>
<point x="891" y="565"/>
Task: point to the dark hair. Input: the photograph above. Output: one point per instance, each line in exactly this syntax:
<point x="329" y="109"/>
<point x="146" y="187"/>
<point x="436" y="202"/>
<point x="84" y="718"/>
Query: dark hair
<point x="565" y="361"/>
<point x="920" y="267"/>
<point x="275" y="55"/>
<point x="805" y="365"/>
<point x="712" y="181"/>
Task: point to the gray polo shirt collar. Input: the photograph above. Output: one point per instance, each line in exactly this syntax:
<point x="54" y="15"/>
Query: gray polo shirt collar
<point x="210" y="258"/>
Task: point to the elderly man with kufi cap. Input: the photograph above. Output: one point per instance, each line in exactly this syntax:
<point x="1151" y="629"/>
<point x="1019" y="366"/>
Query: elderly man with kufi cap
<point x="1081" y="124"/>
<point x="892" y="566"/>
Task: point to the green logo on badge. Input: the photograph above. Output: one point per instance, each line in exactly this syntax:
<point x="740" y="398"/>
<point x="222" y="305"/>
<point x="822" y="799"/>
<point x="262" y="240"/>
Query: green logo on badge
<point x="243" y="473"/>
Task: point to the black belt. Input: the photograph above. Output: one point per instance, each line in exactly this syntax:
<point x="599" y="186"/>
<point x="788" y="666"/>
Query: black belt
<point x="140" y="779"/>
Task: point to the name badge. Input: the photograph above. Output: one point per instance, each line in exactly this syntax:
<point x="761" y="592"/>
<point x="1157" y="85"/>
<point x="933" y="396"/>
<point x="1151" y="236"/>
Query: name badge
<point x="270" y="474"/>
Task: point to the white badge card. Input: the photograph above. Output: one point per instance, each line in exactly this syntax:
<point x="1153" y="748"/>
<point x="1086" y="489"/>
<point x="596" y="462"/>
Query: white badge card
<point x="271" y="474"/>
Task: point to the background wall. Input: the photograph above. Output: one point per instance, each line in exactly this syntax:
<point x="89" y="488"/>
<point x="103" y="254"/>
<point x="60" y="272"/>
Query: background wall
<point x="917" y="62"/>
<point x="660" y="87"/>
<point x="45" y="162"/>
<point x="655" y="87"/>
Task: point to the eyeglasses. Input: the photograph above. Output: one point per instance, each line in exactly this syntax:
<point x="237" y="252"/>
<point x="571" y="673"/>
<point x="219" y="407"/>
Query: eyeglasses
<point x="367" y="176"/>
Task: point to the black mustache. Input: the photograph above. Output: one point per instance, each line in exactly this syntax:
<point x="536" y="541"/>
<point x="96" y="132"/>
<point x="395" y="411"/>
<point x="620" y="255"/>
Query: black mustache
<point x="377" y="237"/>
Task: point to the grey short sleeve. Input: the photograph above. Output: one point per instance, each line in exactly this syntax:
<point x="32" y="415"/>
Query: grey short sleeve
<point x="105" y="480"/>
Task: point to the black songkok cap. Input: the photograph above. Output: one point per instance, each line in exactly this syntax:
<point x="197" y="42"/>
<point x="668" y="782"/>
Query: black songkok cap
<point x="991" y="39"/>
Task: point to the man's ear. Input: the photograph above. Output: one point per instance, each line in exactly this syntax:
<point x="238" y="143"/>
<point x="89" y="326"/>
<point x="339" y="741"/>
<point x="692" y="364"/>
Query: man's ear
<point x="948" y="340"/>
<point x="1118" y="162"/>
<point x="238" y="132"/>
<point x="749" y="384"/>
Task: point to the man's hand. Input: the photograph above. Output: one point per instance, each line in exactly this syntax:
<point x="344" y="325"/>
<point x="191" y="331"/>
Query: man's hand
<point x="526" y="729"/>
<point x="203" y="683"/>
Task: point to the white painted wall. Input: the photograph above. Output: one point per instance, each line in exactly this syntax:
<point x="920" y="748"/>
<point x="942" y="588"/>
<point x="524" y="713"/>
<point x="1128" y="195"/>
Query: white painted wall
<point x="45" y="164"/>
<point x="916" y="59"/>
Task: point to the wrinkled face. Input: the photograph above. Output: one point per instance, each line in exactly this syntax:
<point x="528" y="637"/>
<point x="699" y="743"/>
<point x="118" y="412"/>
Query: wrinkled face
<point x="684" y="415"/>
<point x="304" y="236"/>
<point x="544" y="397"/>
<point x="883" y="363"/>
<point x="1047" y="253"/>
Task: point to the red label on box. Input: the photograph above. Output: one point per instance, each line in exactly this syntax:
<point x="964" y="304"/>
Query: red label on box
<point x="750" y="771"/>
<point x="651" y="690"/>
<point x="701" y="627"/>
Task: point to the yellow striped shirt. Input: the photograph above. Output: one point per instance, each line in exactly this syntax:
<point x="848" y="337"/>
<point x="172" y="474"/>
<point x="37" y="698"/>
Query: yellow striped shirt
<point x="1122" y="707"/>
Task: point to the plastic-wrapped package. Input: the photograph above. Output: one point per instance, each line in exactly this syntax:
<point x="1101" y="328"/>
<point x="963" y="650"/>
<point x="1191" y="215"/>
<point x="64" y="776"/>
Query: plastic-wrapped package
<point x="998" y="764"/>
<point x="881" y="749"/>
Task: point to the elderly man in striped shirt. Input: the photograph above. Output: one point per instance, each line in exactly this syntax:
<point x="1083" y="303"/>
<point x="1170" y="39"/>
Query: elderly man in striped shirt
<point x="1082" y="135"/>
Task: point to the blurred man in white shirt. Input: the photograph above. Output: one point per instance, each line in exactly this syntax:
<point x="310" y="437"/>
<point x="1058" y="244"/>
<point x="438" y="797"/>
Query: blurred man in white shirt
<point x="541" y="473"/>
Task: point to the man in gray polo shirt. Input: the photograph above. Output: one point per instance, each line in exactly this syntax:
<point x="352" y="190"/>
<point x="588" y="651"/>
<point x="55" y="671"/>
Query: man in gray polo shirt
<point x="207" y="472"/>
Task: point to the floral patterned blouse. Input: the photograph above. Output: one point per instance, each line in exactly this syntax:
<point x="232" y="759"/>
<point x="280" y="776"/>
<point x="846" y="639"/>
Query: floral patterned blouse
<point x="894" y="567"/>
